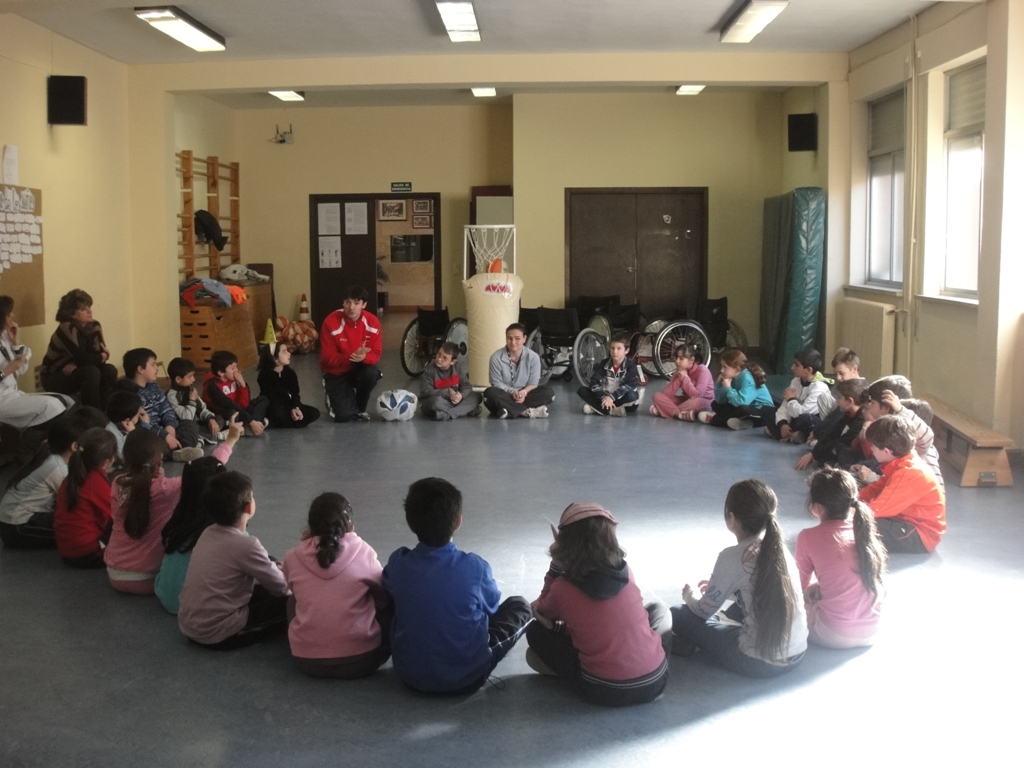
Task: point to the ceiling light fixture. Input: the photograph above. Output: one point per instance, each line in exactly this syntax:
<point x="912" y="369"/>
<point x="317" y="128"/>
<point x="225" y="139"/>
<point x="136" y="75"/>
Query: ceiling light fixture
<point x="689" y="90"/>
<point x="484" y="92"/>
<point x="751" y="19"/>
<point x="460" y="21"/>
<point x="289" y="95"/>
<point x="175" y="22"/>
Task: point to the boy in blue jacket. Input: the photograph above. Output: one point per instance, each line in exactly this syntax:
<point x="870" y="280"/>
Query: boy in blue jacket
<point x="141" y="373"/>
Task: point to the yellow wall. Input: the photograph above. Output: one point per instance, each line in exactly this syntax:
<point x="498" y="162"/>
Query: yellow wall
<point x="726" y="141"/>
<point x="81" y="170"/>
<point x="363" y="149"/>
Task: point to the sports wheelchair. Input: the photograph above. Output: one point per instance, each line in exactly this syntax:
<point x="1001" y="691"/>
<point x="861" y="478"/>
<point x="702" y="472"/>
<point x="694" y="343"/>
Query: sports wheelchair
<point x="564" y="350"/>
<point x="425" y="334"/>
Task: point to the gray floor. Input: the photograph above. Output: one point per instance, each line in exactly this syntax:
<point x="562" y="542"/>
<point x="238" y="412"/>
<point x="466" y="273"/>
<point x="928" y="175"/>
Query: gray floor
<point x="92" y="677"/>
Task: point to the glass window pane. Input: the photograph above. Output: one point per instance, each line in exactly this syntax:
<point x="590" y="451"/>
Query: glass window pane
<point x="897" y="217"/>
<point x="880" y="186"/>
<point x="964" y="165"/>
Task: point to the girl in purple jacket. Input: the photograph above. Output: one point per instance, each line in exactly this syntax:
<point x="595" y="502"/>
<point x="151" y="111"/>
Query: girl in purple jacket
<point x="690" y="390"/>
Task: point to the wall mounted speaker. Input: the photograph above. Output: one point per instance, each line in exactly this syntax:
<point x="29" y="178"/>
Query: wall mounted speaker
<point x="65" y="100"/>
<point x="803" y="133"/>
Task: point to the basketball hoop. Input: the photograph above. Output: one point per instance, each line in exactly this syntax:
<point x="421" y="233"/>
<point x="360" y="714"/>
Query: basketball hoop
<point x="489" y="242"/>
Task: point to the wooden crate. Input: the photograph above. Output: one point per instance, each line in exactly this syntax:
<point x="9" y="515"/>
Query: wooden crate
<point x="260" y="306"/>
<point x="209" y="326"/>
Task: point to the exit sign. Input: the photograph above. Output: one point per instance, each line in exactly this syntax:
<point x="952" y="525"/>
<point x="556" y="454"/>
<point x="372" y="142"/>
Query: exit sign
<point x="401" y="186"/>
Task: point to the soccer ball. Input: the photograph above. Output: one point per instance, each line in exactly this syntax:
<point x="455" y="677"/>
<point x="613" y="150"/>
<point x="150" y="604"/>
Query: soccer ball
<point x="397" y="405"/>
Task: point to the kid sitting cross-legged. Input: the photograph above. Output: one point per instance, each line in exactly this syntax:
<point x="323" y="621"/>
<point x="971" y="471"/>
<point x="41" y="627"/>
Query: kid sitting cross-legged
<point x="181" y="438"/>
<point x="798" y="414"/>
<point x="836" y="436"/>
<point x="82" y="521"/>
<point x="124" y="409"/>
<point x="234" y="594"/>
<point x="613" y="384"/>
<point x="690" y="390"/>
<point x="741" y="397"/>
<point x="225" y="391"/>
<point x="445" y="391"/>
<point x="449" y="630"/>
<point x="187" y="404"/>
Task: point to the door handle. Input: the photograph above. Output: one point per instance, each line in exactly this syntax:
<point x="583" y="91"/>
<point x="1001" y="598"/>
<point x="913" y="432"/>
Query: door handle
<point x="630" y="270"/>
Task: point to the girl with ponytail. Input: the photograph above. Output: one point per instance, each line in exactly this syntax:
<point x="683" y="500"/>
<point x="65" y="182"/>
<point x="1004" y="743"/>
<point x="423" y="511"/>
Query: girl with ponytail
<point x="767" y="631"/>
<point x="341" y="618"/>
<point x="847" y="561"/>
<point x="142" y="501"/>
<point x="82" y="522"/>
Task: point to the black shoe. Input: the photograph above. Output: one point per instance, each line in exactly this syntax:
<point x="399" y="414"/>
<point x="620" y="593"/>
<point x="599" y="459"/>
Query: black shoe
<point x="361" y="416"/>
<point x="476" y="411"/>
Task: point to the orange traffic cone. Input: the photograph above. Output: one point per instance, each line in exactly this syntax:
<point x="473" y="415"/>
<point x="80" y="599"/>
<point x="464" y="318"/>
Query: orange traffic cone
<point x="303" y="308"/>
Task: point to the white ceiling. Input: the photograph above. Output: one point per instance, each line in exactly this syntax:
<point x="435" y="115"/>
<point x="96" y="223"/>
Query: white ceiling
<point x="289" y="29"/>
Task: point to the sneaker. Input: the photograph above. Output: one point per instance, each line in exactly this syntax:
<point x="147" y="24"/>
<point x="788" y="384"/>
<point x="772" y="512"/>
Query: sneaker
<point x="503" y="414"/>
<point x="618" y="410"/>
<point x="705" y="417"/>
<point x="768" y="433"/>
<point x="540" y="412"/>
<point x="798" y="438"/>
<point x="739" y="424"/>
<point x="186" y="454"/>
<point x="361" y="416"/>
<point x="222" y="435"/>
<point x="589" y="409"/>
<point x="476" y="411"/>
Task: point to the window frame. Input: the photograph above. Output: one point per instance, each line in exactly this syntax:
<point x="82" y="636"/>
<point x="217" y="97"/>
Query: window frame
<point x="896" y="153"/>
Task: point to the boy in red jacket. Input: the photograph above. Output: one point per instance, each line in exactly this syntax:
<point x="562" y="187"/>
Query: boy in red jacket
<point x="350" y="348"/>
<point x="225" y="391"/>
<point x="907" y="500"/>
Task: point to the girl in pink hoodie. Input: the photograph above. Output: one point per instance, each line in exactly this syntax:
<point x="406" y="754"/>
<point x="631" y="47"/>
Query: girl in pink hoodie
<point x="690" y="390"/>
<point x="341" y="622"/>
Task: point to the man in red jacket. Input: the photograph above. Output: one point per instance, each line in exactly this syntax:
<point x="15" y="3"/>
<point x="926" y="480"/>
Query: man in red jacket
<point x="350" y="347"/>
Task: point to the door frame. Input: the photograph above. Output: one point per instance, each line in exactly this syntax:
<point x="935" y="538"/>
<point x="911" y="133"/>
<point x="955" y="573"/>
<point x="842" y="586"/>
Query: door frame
<point x="703" y="245"/>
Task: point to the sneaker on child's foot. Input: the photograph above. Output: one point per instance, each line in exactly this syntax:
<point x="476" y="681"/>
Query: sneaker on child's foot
<point x="705" y="417"/>
<point x="798" y="437"/>
<point x="222" y="435"/>
<point x="361" y="416"/>
<point x="503" y="414"/>
<point x="589" y="409"/>
<point x="476" y="411"/>
<point x="186" y="454"/>
<point x="739" y="424"/>
<point x="618" y="410"/>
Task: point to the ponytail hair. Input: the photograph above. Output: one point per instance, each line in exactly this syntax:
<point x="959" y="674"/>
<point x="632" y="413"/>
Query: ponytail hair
<point x="61" y="435"/>
<point x="754" y="505"/>
<point x="835" y="491"/>
<point x="189" y="518"/>
<point x="735" y="358"/>
<point x="330" y="518"/>
<point x="95" y="447"/>
<point x="143" y="457"/>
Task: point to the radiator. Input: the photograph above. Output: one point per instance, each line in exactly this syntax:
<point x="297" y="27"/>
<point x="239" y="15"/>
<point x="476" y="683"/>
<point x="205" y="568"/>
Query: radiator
<point x="869" y="329"/>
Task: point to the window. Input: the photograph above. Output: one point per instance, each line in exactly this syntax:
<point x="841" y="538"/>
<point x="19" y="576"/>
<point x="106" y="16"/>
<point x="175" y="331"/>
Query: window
<point x="964" y="140"/>
<point x="885" y="191"/>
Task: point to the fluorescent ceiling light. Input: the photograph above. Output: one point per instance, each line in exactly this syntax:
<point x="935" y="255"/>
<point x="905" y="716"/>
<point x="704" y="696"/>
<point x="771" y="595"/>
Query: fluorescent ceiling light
<point x="689" y="90"/>
<point x="460" y="21"/>
<point x="751" y="19"/>
<point x="289" y="95"/>
<point x="182" y="27"/>
<point x="482" y="92"/>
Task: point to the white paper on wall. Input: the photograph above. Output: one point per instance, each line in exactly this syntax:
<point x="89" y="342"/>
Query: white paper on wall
<point x="330" y="253"/>
<point x="355" y="219"/>
<point x="328" y="216"/>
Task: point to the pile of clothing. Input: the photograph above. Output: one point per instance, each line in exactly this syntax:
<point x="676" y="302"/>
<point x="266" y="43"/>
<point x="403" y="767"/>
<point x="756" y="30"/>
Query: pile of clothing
<point x="208" y="288"/>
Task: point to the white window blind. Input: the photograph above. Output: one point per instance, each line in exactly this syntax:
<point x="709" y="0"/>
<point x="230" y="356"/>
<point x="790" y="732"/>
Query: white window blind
<point x="887" y="120"/>
<point x="965" y="102"/>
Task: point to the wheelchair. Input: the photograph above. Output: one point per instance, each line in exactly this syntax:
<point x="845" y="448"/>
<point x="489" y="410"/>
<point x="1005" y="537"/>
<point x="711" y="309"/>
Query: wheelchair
<point x="712" y="335"/>
<point x="564" y="350"/>
<point x="613" y="317"/>
<point x="425" y="334"/>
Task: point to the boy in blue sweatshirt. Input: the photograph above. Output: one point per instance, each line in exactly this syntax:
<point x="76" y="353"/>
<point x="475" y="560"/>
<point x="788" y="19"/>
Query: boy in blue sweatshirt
<point x="141" y="373"/>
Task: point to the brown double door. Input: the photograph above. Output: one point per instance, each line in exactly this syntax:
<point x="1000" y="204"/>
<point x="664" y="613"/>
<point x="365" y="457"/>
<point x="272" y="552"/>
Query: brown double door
<point x="647" y="245"/>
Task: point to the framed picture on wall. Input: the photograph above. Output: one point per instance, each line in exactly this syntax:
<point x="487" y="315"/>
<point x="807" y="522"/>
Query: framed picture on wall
<point x="422" y="206"/>
<point x="391" y="210"/>
<point x="422" y="222"/>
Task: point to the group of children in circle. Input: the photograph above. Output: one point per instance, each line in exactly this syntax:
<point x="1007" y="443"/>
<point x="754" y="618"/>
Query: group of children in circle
<point x="436" y="611"/>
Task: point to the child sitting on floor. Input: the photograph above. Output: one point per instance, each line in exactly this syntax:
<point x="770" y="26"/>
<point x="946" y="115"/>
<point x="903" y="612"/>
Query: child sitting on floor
<point x="836" y="436"/>
<point x="225" y="391"/>
<point x="741" y="397"/>
<point x="341" y="625"/>
<point x="690" y="390"/>
<point x="798" y="415"/>
<point x="82" y="520"/>
<point x="612" y="390"/>
<point x="449" y="630"/>
<point x="234" y="594"/>
<point x="845" y="366"/>
<point x="181" y="438"/>
<point x="188" y="405"/>
<point x="847" y="560"/>
<point x="124" y="409"/>
<point x="280" y="386"/>
<point x="141" y="503"/>
<point x="764" y="633"/>
<point x="591" y="626"/>
<point x="445" y="391"/>
<point x="908" y="503"/>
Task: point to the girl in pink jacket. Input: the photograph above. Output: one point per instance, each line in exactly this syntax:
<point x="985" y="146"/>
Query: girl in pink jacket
<point x="690" y="390"/>
<point x="341" y="622"/>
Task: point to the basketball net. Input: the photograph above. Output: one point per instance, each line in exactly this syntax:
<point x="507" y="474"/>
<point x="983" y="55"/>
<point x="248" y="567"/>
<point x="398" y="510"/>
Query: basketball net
<point x="489" y="243"/>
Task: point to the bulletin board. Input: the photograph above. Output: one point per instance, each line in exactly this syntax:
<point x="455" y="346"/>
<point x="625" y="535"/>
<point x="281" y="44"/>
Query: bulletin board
<point x="21" y="252"/>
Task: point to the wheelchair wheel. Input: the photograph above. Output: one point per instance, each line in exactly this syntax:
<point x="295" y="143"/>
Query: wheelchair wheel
<point x="599" y="323"/>
<point x="736" y="337"/>
<point x="536" y="343"/>
<point x="414" y="357"/>
<point x="643" y="354"/>
<point x="680" y="332"/>
<point x="458" y="334"/>
<point x="590" y="348"/>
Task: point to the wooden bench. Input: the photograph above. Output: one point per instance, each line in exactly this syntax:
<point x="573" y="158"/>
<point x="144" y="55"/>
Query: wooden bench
<point x="977" y="451"/>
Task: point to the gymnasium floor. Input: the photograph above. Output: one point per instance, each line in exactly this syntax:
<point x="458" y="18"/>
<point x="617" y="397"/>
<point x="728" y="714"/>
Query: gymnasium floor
<point x="91" y="677"/>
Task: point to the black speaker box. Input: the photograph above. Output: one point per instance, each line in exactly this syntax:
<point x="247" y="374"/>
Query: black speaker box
<point x="803" y="133"/>
<point x="65" y="100"/>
